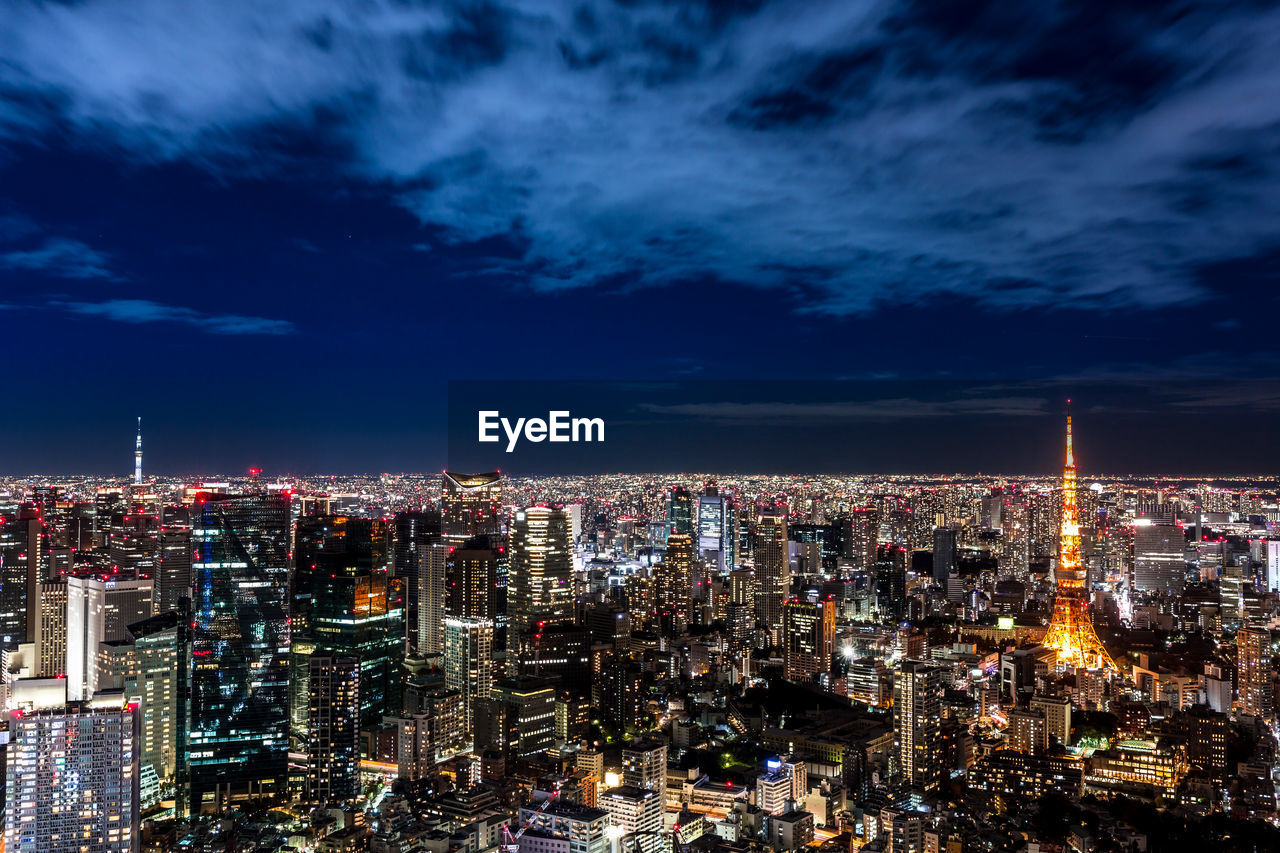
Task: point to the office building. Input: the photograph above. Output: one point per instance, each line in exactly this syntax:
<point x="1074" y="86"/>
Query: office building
<point x="808" y="639"/>
<point x="72" y="779"/>
<point x="333" y="728"/>
<point x="636" y="811"/>
<point x="772" y="569"/>
<point x="673" y="585"/>
<point x="917" y="724"/>
<point x="239" y="724"/>
<point x="471" y="578"/>
<point x="541" y="578"/>
<point x="471" y="505"/>
<point x="468" y="660"/>
<point x="150" y="667"/>
<point x="1159" y="558"/>
<point x="99" y="609"/>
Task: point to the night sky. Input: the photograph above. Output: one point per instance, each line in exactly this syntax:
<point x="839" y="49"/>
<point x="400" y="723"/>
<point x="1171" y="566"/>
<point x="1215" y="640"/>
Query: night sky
<point x="276" y="230"/>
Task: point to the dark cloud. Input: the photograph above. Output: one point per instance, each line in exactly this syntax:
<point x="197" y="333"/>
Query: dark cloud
<point x="138" y="311"/>
<point x="1096" y="154"/>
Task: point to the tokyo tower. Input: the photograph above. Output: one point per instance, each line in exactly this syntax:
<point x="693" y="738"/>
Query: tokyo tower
<point x="1071" y="632"/>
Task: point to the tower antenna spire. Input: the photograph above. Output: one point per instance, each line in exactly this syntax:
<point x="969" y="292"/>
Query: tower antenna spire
<point x="137" y="456"/>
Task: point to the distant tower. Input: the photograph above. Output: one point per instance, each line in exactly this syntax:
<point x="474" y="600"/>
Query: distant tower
<point x="137" y="457"/>
<point x="1071" y="633"/>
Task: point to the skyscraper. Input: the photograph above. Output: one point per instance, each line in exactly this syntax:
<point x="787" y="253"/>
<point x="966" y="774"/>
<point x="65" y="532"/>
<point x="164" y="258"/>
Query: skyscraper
<point x="413" y="535"/>
<point x="541" y="571"/>
<point x="22" y="546"/>
<point x="348" y="603"/>
<point x="72" y="779"/>
<point x="150" y="667"/>
<point x="471" y="572"/>
<point x="808" y="639"/>
<point x="1253" y="671"/>
<point x="99" y="609"/>
<point x="239" y="726"/>
<point x="773" y="571"/>
<point x="468" y="660"/>
<point x="679" y="506"/>
<point x="333" y="727"/>
<point x="917" y="724"/>
<point x="1159" y="558"/>
<point x="944" y="554"/>
<point x="673" y="585"/>
<point x="471" y="505"/>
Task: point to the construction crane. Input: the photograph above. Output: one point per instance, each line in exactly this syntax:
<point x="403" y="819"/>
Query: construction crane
<point x="511" y="843"/>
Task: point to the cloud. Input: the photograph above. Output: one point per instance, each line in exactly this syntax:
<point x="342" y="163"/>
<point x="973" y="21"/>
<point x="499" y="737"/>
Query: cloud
<point x="60" y="257"/>
<point x="145" y="311"/>
<point x="888" y="409"/>
<point x="855" y="152"/>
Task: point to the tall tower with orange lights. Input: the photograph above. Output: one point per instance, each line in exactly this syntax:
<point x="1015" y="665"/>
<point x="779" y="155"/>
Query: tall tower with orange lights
<point x="1071" y="633"/>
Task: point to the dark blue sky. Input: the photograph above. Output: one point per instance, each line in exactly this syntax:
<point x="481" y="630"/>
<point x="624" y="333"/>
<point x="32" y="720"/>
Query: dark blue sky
<point x="276" y="230"/>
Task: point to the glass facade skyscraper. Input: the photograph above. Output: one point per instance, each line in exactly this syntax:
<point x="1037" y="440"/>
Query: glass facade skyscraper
<point x="346" y="602"/>
<point x="239" y="722"/>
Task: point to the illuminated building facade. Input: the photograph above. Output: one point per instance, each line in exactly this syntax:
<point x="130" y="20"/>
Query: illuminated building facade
<point x="239" y="725"/>
<point x="673" y="585"/>
<point x="917" y="724"/>
<point x="808" y="639"/>
<point x="333" y="728"/>
<point x="72" y="779"/>
<point x="468" y="660"/>
<point x="471" y="505"/>
<point x="541" y="580"/>
<point x="772" y="569"/>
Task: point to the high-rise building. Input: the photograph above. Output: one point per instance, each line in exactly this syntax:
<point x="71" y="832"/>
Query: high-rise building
<point x="51" y="637"/>
<point x="808" y="639"/>
<point x="414" y="533"/>
<point x="433" y="596"/>
<point x="1026" y="731"/>
<point x="1272" y="567"/>
<point x="471" y="505"/>
<point x="99" y="609"/>
<point x="636" y="811"/>
<point x="519" y="717"/>
<point x="1253" y="671"/>
<point x="673" y="585"/>
<point x="173" y="564"/>
<point x="1159" y="558"/>
<point x="680" y="515"/>
<point x="1057" y="718"/>
<point x="468" y="660"/>
<point x="917" y="724"/>
<point x="238" y="743"/>
<point x="150" y="668"/>
<point x="471" y="577"/>
<point x="431" y="735"/>
<point x="859" y="536"/>
<point x="944" y="554"/>
<point x="72" y="779"/>
<point x="333" y="728"/>
<point x="717" y="533"/>
<point x="348" y="603"/>
<point x="644" y="765"/>
<point x="22" y="548"/>
<point x="564" y="827"/>
<point x="772" y="569"/>
<point x="541" y="580"/>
